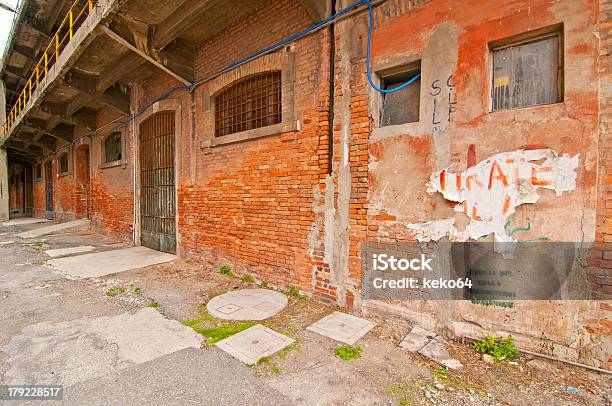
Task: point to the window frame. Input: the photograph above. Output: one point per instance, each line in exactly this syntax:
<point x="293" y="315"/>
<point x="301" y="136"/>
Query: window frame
<point x="38" y="168"/>
<point x="244" y="81"/>
<point x="396" y="71"/>
<point x="59" y="164"/>
<point x="523" y="39"/>
<point x="283" y="61"/>
<point x="102" y="145"/>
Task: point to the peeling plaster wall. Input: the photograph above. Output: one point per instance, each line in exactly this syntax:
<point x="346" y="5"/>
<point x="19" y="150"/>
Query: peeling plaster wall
<point x="456" y="127"/>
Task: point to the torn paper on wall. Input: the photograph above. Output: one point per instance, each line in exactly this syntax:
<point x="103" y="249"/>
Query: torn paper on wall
<point x="490" y="191"/>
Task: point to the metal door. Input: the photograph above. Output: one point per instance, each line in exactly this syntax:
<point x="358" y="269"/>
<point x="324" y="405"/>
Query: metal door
<point x="157" y="195"/>
<point x="49" y="189"/>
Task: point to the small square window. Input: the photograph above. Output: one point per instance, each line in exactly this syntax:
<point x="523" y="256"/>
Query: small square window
<point x="112" y="148"/>
<point x="527" y="72"/>
<point x="402" y="106"/>
<point x="63" y="164"/>
<point x="38" y="171"/>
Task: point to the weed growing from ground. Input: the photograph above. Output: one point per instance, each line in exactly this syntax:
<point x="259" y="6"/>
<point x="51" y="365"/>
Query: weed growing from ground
<point x="226" y="270"/>
<point x="215" y="334"/>
<point x="348" y="352"/>
<point x="247" y="278"/>
<point x="190" y="261"/>
<point x="196" y="321"/>
<point x="153" y="304"/>
<point x="114" y="291"/>
<point x="276" y="370"/>
<point x="498" y="347"/>
<point x="264" y="284"/>
<point x="295" y="292"/>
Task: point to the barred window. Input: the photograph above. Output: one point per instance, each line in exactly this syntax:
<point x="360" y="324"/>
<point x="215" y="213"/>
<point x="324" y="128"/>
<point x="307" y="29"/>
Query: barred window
<point x="249" y="103"/>
<point x="112" y="148"/>
<point x="63" y="164"/>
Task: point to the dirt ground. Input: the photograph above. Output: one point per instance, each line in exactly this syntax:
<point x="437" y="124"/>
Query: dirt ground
<point x="308" y="372"/>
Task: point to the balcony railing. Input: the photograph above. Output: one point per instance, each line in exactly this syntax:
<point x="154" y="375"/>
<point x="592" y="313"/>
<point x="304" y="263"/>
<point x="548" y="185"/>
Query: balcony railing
<point x="79" y="10"/>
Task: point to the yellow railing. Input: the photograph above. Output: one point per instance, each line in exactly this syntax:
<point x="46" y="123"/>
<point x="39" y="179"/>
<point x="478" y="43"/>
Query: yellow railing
<point x="79" y="10"/>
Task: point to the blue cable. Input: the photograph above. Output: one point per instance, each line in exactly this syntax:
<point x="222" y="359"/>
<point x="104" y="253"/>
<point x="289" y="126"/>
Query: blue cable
<point x="368" y="57"/>
<point x="284" y="42"/>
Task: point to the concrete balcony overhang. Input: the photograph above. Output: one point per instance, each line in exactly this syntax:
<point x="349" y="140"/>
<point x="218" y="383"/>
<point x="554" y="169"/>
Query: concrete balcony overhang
<point x="119" y="43"/>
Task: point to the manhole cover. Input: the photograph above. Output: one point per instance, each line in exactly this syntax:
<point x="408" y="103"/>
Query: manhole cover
<point x="247" y="304"/>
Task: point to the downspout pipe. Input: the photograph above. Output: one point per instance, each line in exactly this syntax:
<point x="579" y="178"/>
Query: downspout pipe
<point x="332" y="91"/>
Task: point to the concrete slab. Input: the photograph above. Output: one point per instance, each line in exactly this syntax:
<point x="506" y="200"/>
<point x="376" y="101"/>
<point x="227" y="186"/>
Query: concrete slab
<point x="72" y="351"/>
<point x="436" y="350"/>
<point x="39" y="232"/>
<point x="109" y="262"/>
<point x="23" y="221"/>
<point x="342" y="327"/>
<point x="417" y="339"/>
<point x="62" y="252"/>
<point x="252" y="344"/>
<point x="247" y="304"/>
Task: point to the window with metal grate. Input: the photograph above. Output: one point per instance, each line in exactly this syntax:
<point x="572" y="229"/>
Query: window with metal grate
<point x="249" y="103"/>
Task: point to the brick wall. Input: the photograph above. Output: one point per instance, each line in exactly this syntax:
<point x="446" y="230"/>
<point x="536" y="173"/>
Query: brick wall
<point x="452" y="42"/>
<point x="250" y="204"/>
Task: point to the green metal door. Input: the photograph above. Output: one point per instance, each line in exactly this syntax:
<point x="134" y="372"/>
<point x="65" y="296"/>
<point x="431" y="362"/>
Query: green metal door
<point x="157" y="193"/>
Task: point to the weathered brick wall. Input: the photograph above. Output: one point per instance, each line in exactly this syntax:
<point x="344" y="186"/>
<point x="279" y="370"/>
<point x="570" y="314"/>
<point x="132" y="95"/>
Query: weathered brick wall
<point x="452" y="41"/>
<point x="250" y="204"/>
<point x="38" y="191"/>
<point x="111" y="189"/>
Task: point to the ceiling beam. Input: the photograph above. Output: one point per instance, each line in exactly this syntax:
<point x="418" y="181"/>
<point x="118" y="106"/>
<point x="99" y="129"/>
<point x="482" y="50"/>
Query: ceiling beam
<point x="112" y="34"/>
<point x="114" y="73"/>
<point x="37" y="27"/>
<point x="317" y="10"/>
<point x="186" y="15"/>
<point x="87" y="121"/>
<point x="27" y="52"/>
<point x="87" y="85"/>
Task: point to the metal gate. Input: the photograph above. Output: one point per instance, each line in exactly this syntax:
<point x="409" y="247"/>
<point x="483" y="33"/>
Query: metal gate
<point x="49" y="189"/>
<point x="157" y="195"/>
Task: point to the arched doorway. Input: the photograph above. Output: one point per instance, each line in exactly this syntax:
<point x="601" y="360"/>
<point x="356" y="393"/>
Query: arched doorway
<point x="157" y="193"/>
<point x="82" y="182"/>
<point x="49" y="190"/>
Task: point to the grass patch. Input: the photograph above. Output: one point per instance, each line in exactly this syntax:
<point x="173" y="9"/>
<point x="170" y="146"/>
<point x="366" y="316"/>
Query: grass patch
<point x="38" y="245"/>
<point x="197" y="320"/>
<point x="296" y="345"/>
<point x="276" y="370"/>
<point x="263" y="360"/>
<point x="407" y="392"/>
<point x="226" y="270"/>
<point x="295" y="292"/>
<point x="114" y="291"/>
<point x="348" y="352"/>
<point x="264" y="284"/>
<point x="498" y="347"/>
<point x="215" y="334"/>
<point x="153" y="304"/>
<point x="190" y="261"/>
<point x="247" y="278"/>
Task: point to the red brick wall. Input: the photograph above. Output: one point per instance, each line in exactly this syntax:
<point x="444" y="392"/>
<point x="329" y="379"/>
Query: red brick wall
<point x="250" y="204"/>
<point x="111" y="189"/>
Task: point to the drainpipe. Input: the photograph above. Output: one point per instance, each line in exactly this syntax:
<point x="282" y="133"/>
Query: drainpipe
<point x="332" y="91"/>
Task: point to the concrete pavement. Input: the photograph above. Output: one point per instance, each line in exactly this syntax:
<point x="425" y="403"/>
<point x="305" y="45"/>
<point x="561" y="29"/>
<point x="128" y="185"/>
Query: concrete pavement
<point x="61" y="331"/>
